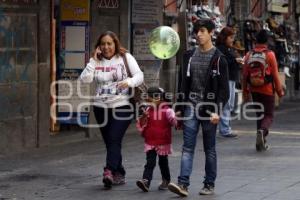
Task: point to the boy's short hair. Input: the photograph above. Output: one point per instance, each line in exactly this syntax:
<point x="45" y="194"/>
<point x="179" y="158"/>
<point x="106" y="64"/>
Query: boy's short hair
<point x="155" y="92"/>
<point x="206" y="23"/>
<point x="262" y="37"/>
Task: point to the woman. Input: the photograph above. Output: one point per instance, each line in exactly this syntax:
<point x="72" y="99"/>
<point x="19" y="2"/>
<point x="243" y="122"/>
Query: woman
<point x="225" y="43"/>
<point x="111" y="107"/>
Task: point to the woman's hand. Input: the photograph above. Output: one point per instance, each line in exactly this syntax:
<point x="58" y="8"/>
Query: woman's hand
<point x="123" y="84"/>
<point x="97" y="54"/>
<point x="240" y="61"/>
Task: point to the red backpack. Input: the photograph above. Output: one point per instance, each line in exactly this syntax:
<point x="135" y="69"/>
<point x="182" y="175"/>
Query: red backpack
<point x="259" y="72"/>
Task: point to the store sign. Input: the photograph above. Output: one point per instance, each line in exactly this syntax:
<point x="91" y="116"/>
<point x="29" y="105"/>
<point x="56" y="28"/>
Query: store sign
<point x="75" y="10"/>
<point x="18" y="2"/>
<point x="280" y="6"/>
<point x="147" y="12"/>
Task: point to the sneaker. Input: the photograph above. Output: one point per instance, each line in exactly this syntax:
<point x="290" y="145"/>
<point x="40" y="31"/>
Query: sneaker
<point x="143" y="185"/>
<point x="179" y="189"/>
<point x="207" y="190"/>
<point x="107" y="178"/>
<point x="164" y="185"/>
<point x="266" y="147"/>
<point x="230" y="135"/>
<point x="260" y="143"/>
<point x="118" y="179"/>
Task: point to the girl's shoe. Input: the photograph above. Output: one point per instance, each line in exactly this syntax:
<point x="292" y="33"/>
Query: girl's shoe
<point x="143" y="185"/>
<point x="118" y="179"/>
<point x="107" y="178"/>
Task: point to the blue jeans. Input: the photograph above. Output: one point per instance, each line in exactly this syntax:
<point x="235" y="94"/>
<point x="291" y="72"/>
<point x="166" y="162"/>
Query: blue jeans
<point x="190" y="132"/>
<point x="224" y="124"/>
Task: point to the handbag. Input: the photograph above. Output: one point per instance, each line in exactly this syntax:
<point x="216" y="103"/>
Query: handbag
<point x="138" y="92"/>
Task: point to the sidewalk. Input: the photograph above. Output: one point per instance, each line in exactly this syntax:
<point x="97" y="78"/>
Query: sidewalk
<point x="73" y="171"/>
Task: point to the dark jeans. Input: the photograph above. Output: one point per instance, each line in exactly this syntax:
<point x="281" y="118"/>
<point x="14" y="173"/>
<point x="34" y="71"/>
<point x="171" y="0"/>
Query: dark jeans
<point x="190" y="132"/>
<point x="265" y="118"/>
<point x="150" y="165"/>
<point x="112" y="133"/>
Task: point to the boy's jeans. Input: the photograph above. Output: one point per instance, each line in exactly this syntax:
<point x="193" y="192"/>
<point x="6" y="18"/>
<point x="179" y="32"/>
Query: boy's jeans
<point x="190" y="131"/>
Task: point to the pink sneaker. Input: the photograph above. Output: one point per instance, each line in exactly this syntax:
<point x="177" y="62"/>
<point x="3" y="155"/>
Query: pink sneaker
<point x="107" y="178"/>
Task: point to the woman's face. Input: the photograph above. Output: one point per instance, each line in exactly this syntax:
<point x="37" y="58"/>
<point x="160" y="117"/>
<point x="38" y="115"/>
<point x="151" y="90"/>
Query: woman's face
<point x="229" y="40"/>
<point x="107" y="47"/>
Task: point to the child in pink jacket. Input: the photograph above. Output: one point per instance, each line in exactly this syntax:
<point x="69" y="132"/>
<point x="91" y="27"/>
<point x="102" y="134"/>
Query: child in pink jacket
<point x="156" y="127"/>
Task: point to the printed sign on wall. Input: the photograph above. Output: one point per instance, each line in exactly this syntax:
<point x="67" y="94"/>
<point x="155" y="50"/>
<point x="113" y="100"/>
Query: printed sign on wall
<point x="75" y="10"/>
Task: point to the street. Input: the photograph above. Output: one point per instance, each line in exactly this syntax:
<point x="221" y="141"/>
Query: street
<point x="74" y="170"/>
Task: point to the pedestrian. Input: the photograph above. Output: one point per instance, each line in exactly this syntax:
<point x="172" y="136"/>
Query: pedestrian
<point x="155" y="126"/>
<point x="261" y="81"/>
<point x="203" y="87"/>
<point x="224" y="43"/>
<point x="112" y="109"/>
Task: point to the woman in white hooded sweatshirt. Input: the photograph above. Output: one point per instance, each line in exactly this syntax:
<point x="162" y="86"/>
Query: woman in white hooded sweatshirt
<point x="112" y="108"/>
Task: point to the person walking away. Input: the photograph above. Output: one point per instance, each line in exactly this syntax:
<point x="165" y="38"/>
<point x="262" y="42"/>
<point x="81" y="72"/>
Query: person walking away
<point x="261" y="81"/>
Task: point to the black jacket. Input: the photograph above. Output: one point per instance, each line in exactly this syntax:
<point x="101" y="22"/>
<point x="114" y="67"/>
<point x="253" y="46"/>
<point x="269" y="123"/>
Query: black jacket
<point x="233" y="66"/>
<point x="216" y="89"/>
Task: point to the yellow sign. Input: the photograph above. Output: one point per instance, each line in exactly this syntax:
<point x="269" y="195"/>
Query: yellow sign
<point x="75" y="10"/>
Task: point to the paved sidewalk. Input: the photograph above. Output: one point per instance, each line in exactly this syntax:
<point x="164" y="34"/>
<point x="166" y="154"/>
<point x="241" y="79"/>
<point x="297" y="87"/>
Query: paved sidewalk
<point x="73" y="171"/>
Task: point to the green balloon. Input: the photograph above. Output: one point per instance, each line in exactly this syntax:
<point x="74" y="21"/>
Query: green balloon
<point x="164" y="42"/>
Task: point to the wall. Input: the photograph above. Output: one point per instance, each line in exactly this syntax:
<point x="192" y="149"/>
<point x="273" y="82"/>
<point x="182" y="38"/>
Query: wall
<point x="24" y="60"/>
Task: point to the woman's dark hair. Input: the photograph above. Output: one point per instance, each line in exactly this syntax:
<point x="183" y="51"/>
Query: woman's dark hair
<point x="223" y="35"/>
<point x="120" y="50"/>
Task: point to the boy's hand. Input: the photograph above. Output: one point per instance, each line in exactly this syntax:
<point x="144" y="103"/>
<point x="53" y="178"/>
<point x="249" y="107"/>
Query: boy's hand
<point x="281" y="93"/>
<point x="214" y="118"/>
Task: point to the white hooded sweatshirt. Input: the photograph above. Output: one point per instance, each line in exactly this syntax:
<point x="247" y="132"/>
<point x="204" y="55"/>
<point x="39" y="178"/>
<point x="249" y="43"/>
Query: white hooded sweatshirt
<point x="107" y="73"/>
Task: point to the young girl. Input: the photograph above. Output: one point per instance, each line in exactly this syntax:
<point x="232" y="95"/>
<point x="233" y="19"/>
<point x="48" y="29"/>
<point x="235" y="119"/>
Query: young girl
<point x="155" y="125"/>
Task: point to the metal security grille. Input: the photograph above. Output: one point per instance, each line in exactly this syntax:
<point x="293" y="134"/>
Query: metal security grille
<point x="108" y="3"/>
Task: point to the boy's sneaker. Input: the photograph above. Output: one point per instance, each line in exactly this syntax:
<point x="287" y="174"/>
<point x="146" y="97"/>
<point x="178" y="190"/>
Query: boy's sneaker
<point x="118" y="179"/>
<point x="164" y="185"/>
<point x="143" y="185"/>
<point x="107" y="178"/>
<point x="179" y="189"/>
<point x="207" y="190"/>
<point x="260" y="142"/>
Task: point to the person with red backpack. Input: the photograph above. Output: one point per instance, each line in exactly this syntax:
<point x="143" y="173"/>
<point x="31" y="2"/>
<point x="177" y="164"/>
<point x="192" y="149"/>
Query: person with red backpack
<point x="261" y="80"/>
